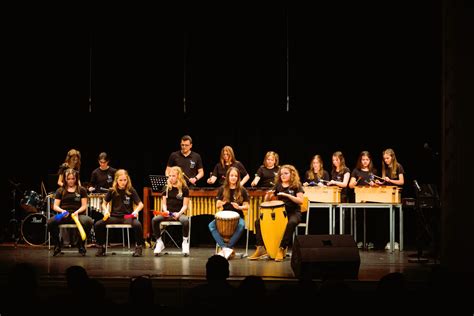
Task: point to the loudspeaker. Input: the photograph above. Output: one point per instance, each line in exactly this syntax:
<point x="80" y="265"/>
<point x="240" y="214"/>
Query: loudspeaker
<point x="325" y="256"/>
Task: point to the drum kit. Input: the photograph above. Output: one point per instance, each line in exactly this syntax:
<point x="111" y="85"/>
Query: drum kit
<point x="34" y="225"/>
<point x="33" y="220"/>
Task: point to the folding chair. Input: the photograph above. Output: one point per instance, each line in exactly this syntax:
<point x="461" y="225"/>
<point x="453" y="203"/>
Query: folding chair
<point x="123" y="227"/>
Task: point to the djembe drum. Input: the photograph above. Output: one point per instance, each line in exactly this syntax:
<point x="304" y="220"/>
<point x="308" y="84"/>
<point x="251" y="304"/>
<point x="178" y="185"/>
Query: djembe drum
<point x="226" y="223"/>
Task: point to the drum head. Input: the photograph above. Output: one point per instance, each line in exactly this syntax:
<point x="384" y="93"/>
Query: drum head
<point x="34" y="229"/>
<point x="227" y="214"/>
<point x="271" y="204"/>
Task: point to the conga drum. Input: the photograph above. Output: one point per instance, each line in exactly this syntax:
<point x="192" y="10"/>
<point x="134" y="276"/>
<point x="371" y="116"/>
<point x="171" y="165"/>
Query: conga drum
<point x="226" y="222"/>
<point x="273" y="220"/>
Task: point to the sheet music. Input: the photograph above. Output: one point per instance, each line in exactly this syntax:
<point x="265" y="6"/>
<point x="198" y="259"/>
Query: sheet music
<point x="158" y="182"/>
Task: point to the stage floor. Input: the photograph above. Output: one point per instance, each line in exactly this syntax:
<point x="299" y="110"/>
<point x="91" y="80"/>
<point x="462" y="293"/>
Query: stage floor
<point x="374" y="264"/>
<point x="172" y="274"/>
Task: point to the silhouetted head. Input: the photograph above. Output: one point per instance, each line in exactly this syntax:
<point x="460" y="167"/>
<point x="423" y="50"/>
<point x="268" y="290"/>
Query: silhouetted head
<point x="217" y="268"/>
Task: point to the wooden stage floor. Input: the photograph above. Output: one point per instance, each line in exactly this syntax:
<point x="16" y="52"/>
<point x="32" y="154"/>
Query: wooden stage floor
<point x="174" y="270"/>
<point x="374" y="263"/>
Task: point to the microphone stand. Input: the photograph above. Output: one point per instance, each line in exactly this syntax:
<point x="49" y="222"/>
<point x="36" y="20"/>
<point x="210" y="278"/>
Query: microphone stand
<point x="422" y="227"/>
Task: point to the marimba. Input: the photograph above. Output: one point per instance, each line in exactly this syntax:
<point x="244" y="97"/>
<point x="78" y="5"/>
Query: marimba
<point x="94" y="201"/>
<point x="326" y="194"/>
<point x="378" y="194"/>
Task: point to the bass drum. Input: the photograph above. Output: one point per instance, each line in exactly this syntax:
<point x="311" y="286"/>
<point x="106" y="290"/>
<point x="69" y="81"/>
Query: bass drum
<point x="34" y="229"/>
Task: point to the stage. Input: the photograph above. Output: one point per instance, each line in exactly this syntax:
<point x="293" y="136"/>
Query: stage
<point x="172" y="274"/>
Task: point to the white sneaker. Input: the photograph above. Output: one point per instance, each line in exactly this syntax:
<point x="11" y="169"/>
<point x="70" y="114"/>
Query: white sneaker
<point x="221" y="253"/>
<point x="360" y="245"/>
<point x="227" y="252"/>
<point x="396" y="246"/>
<point x="159" y="246"/>
<point x="185" y="247"/>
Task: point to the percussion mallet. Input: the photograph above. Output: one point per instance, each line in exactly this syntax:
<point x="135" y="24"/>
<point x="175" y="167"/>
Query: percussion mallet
<point x="60" y="216"/>
<point x="164" y="214"/>
<point x="79" y="226"/>
<point x="377" y="177"/>
<point x="127" y="216"/>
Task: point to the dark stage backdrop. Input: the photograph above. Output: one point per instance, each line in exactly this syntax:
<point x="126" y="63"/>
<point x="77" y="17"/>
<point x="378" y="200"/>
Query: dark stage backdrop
<point x="131" y="82"/>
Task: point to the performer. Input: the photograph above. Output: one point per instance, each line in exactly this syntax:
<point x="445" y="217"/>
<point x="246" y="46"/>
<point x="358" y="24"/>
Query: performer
<point x="71" y="198"/>
<point x="364" y="172"/>
<point x="392" y="170"/>
<point x="73" y="160"/>
<point x="227" y="160"/>
<point x="126" y="204"/>
<point x="102" y="177"/>
<point x="364" y="175"/>
<point x="288" y="189"/>
<point x="392" y="174"/>
<point x="266" y="173"/>
<point x="189" y="161"/>
<point x="232" y="196"/>
<point x="316" y="175"/>
<point x="340" y="174"/>
<point x="174" y="203"/>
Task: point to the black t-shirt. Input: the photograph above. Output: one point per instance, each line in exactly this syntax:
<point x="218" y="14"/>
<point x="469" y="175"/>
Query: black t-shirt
<point x="228" y="206"/>
<point x="122" y="203"/>
<point x="399" y="170"/>
<point x="190" y="164"/>
<point x="317" y="179"/>
<point x="339" y="176"/>
<point x="267" y="176"/>
<point x="174" y="200"/>
<point x="70" y="201"/>
<point x="102" y="180"/>
<point x="290" y="206"/>
<point x="363" y="177"/>
<point x="220" y="171"/>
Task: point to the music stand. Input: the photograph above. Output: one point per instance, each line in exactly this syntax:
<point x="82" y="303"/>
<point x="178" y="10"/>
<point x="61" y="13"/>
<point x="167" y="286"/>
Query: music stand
<point x="157" y="182"/>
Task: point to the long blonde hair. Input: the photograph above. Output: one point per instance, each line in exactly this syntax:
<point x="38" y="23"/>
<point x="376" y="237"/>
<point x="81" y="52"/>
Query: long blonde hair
<point x="342" y="161"/>
<point x="275" y="156"/>
<point x="393" y="164"/>
<point x="180" y="184"/>
<point x="128" y="187"/>
<point x="311" y="174"/>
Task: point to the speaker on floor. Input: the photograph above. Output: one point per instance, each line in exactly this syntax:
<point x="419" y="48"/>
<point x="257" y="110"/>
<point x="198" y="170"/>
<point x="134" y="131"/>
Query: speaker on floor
<point x="325" y="256"/>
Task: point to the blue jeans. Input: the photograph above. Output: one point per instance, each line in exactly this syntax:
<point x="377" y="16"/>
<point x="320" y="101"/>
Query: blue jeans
<point x="235" y="237"/>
